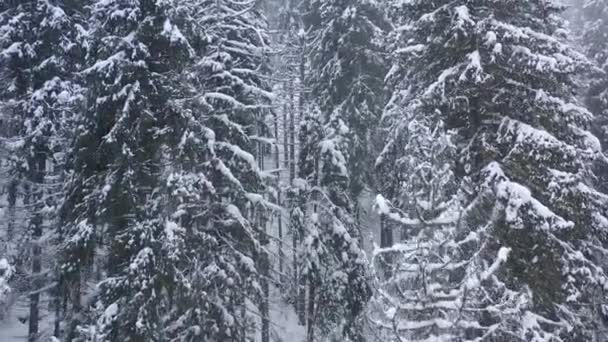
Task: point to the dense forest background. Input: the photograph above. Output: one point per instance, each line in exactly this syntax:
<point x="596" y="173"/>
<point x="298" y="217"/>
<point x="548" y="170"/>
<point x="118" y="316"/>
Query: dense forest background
<point x="303" y="170"/>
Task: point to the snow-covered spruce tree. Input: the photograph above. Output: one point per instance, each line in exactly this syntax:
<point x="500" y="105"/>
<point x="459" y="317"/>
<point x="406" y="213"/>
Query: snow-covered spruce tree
<point x="442" y="287"/>
<point x="334" y="265"/>
<point x="39" y="54"/>
<point x="594" y="39"/>
<point x="496" y="74"/>
<point x="345" y="82"/>
<point x="218" y="184"/>
<point x="437" y="282"/>
<point x="117" y="174"/>
<point x="164" y="173"/>
<point x="347" y="70"/>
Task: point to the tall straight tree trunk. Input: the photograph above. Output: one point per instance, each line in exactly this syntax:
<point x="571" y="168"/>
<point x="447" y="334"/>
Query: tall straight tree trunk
<point x="310" y="321"/>
<point x="279" y="215"/>
<point x="300" y="294"/>
<point x="301" y="108"/>
<point x="386" y="233"/>
<point x="264" y="260"/>
<point x="386" y="241"/>
<point x="10" y="216"/>
<point x="72" y="292"/>
<point x="357" y="211"/>
<point x="36" y="178"/>
<point x="286" y="135"/>
<point x="265" y="306"/>
<point x="57" y="306"/>
<point x="288" y="108"/>
<point x="292" y="145"/>
<point x="74" y="286"/>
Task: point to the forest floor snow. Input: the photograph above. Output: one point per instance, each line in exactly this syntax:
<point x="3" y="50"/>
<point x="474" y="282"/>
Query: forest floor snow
<point x="11" y="328"/>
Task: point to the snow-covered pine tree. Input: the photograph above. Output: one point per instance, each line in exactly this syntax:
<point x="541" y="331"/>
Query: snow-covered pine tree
<point x="334" y="266"/>
<point x="217" y="184"/>
<point x="498" y="74"/>
<point x="442" y="286"/>
<point x="164" y="171"/>
<point x="40" y="53"/>
<point x="345" y="82"/>
<point x="114" y="197"/>
<point x="437" y="282"/>
<point x="594" y="38"/>
<point x="117" y="173"/>
<point x="593" y="27"/>
<point x="347" y="67"/>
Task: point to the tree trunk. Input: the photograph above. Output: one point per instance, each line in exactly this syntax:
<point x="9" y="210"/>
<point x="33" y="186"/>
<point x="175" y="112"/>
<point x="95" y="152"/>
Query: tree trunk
<point x="10" y="216"/>
<point x="386" y="241"/>
<point x="386" y="233"/>
<point x="310" y="323"/>
<point x="59" y="294"/>
<point x="292" y="146"/>
<point x="36" y="178"/>
<point x="285" y="136"/>
<point x="279" y="215"/>
<point x="260" y="216"/>
<point x="301" y="108"/>
<point x="265" y="306"/>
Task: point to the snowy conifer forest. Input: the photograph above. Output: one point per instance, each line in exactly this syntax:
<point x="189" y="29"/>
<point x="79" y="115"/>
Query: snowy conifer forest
<point x="303" y="170"/>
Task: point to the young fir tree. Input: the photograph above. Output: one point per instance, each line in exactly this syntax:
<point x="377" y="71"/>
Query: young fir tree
<point x="164" y="173"/>
<point x="498" y="75"/>
<point x="39" y="57"/>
